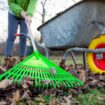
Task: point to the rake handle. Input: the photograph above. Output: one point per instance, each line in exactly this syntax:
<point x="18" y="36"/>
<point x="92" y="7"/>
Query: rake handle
<point x="30" y="35"/>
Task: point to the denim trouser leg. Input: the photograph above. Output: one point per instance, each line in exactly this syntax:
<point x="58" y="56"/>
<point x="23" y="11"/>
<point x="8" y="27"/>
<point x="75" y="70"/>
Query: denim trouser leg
<point x="12" y="29"/>
<point x="13" y="23"/>
<point x="23" y="29"/>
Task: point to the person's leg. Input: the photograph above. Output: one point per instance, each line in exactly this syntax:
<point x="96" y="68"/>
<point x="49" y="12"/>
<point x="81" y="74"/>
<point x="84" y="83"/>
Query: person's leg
<point x="23" y="29"/>
<point x="12" y="29"/>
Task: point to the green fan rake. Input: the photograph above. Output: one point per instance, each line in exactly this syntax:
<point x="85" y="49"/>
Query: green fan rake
<point x="45" y="72"/>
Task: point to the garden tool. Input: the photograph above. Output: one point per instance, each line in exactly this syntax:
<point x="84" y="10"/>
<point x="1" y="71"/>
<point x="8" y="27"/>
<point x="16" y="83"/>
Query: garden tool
<point x="45" y="73"/>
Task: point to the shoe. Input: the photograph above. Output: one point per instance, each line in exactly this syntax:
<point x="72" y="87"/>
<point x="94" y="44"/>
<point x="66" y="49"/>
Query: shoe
<point x="12" y="63"/>
<point x="9" y="62"/>
<point x="6" y="62"/>
<point x="21" y="58"/>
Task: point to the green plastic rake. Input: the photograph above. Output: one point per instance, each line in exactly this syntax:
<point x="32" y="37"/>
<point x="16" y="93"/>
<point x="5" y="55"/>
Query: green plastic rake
<point x="45" y="72"/>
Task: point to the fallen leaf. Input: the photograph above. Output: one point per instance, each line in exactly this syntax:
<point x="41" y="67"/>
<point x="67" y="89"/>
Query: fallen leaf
<point x="101" y="98"/>
<point x="2" y="69"/>
<point x="94" y="82"/>
<point x="62" y="64"/>
<point x="45" y="82"/>
<point x="27" y="82"/>
<point x="39" y="99"/>
<point x="41" y="103"/>
<point x="5" y="83"/>
<point x="82" y="75"/>
<point x="68" y="100"/>
<point x="53" y="101"/>
<point x="3" y="103"/>
<point x="30" y="102"/>
<point x="53" y="71"/>
<point x="102" y="78"/>
<point x="16" y="96"/>
<point x="61" y="103"/>
<point x="13" y="103"/>
<point x="25" y="95"/>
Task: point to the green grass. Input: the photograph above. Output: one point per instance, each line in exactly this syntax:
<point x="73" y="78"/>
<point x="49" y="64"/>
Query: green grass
<point x="57" y="59"/>
<point x="1" y="60"/>
<point x="90" y="98"/>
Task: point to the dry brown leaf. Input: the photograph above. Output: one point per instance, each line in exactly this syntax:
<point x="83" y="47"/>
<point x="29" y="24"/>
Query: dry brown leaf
<point x="26" y="82"/>
<point x="5" y="83"/>
<point x="25" y="86"/>
<point x="102" y="77"/>
<point x="41" y="103"/>
<point x="61" y="100"/>
<point x="39" y="99"/>
<point x="16" y="96"/>
<point x="30" y="102"/>
<point x="53" y="71"/>
<point x="3" y="103"/>
<point x="13" y="103"/>
<point x="54" y="101"/>
<point x="45" y="82"/>
<point x="82" y="75"/>
<point x="3" y="69"/>
<point x="62" y="103"/>
<point x="101" y="98"/>
<point x="94" y="82"/>
<point x="62" y="63"/>
<point x="68" y="100"/>
<point x="25" y="95"/>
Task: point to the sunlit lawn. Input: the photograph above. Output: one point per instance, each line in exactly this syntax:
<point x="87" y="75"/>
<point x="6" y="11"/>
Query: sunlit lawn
<point x="1" y="60"/>
<point x="56" y="59"/>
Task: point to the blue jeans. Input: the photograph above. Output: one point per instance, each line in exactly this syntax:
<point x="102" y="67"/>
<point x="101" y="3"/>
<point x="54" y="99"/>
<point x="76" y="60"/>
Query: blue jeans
<point x="13" y="23"/>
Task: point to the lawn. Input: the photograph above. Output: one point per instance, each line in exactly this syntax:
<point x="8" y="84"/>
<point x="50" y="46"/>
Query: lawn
<point x="1" y="60"/>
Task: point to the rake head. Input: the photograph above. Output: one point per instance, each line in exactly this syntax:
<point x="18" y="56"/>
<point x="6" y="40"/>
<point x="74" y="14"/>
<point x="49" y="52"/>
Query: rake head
<point x="46" y="73"/>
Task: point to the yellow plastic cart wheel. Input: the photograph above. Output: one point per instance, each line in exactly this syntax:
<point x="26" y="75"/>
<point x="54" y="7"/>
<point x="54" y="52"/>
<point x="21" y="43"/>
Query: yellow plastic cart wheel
<point x="95" y="61"/>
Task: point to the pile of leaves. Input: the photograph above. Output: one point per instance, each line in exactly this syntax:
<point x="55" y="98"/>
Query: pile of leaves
<point x="25" y="94"/>
<point x="14" y="94"/>
<point x="91" y="81"/>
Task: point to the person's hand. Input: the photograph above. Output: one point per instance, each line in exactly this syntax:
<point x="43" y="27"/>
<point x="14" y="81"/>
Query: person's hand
<point x="23" y="14"/>
<point x="28" y="19"/>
